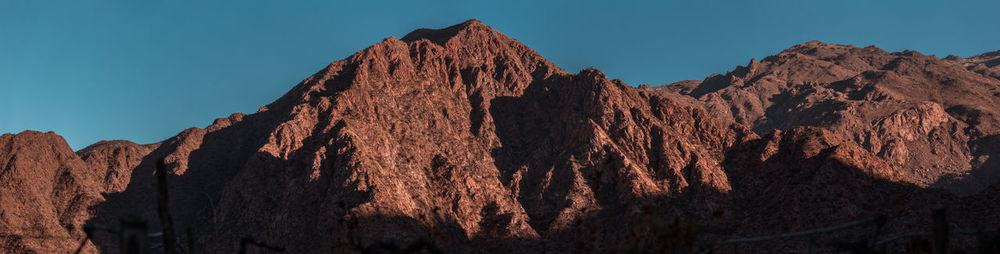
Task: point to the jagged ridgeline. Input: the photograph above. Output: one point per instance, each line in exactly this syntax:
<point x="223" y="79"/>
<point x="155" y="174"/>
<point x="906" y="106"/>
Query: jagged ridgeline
<point x="464" y="140"/>
<point x="936" y="120"/>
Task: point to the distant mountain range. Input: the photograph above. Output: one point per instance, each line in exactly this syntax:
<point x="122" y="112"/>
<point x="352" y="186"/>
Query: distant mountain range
<point x="464" y="140"/>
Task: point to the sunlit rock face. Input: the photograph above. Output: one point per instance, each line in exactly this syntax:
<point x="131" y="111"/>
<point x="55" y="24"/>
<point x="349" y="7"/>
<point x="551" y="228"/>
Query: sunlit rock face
<point x="932" y="118"/>
<point x="464" y="140"/>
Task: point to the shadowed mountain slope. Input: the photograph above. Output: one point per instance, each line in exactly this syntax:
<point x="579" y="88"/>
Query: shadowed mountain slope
<point x="464" y="140"/>
<point x="932" y="118"/>
<point x="46" y="190"/>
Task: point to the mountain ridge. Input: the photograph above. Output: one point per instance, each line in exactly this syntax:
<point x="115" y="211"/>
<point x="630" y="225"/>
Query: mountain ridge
<point x="469" y="141"/>
<point x="915" y="110"/>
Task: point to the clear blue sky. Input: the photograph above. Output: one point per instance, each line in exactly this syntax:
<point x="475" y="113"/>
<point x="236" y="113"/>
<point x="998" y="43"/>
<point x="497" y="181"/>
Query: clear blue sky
<point x="145" y="70"/>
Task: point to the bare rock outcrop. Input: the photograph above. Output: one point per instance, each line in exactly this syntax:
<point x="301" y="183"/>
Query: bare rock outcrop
<point x="113" y="162"/>
<point x="45" y="192"/>
<point x="453" y="136"/>
<point x="464" y="140"/>
<point x="922" y="114"/>
<point x="987" y="63"/>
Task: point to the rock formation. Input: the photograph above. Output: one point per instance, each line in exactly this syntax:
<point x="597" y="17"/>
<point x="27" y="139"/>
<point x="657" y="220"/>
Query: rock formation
<point x="46" y="190"/>
<point x="931" y="118"/>
<point x="464" y="140"/>
<point x="987" y="64"/>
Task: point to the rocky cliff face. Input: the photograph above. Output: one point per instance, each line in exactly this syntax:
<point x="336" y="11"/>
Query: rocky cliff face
<point x="925" y="115"/>
<point x="46" y="190"/>
<point x="453" y="135"/>
<point x="113" y="162"/>
<point x="465" y="140"/>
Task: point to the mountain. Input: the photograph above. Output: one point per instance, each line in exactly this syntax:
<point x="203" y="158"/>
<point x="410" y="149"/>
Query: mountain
<point x="46" y="190"/>
<point x="987" y="64"/>
<point x="934" y="119"/>
<point x="464" y="140"/>
<point x="456" y="135"/>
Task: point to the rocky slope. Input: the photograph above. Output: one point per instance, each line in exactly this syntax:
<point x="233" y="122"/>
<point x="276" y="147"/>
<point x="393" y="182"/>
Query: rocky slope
<point x="46" y="190"/>
<point x="113" y="162"/>
<point x="987" y="63"/>
<point x="453" y="136"/>
<point x="934" y="119"/>
<point x="464" y="140"/>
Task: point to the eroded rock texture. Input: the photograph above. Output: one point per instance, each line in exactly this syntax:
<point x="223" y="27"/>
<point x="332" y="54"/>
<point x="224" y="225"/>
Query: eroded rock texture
<point x="46" y="190"/>
<point x="464" y="140"/>
<point x="929" y="117"/>
<point x="454" y="136"/>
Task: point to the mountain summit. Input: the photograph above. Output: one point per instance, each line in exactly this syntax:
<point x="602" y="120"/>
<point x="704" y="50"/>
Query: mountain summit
<point x="455" y="136"/>
<point x="464" y="140"/>
<point x="935" y="119"/>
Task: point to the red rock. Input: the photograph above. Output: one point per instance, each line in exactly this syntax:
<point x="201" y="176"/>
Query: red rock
<point x="469" y="141"/>
<point x="45" y="190"/>
<point x="920" y="113"/>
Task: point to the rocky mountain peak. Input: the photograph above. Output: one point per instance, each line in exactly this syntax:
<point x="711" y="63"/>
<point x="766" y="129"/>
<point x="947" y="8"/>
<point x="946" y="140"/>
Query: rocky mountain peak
<point x="442" y="36"/>
<point x="915" y="111"/>
<point x="462" y="140"/>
